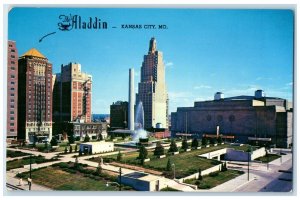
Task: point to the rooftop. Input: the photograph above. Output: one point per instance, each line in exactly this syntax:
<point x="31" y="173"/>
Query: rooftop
<point x="34" y="53"/>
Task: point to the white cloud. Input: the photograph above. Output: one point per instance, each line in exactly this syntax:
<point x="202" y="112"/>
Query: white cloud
<point x="202" y="87"/>
<point x="169" y="65"/>
<point x="289" y="84"/>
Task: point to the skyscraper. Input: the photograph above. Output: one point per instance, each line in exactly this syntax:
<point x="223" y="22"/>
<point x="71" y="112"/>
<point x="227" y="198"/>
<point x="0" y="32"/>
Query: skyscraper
<point x="34" y="97"/>
<point x="12" y="90"/>
<point x="152" y="88"/>
<point x="72" y="94"/>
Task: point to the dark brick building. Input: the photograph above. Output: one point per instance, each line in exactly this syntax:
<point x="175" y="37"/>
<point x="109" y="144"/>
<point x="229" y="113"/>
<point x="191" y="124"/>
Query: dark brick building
<point x="119" y="115"/>
<point x="12" y="90"/>
<point x="34" y="97"/>
<point x="243" y="117"/>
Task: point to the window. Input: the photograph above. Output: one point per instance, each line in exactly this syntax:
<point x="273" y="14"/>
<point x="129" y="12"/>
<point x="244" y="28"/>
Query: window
<point x="12" y="112"/>
<point x="12" y="94"/>
<point x="12" y="88"/>
<point x="12" y="56"/>
<point x="12" y="130"/>
<point x="12" y="83"/>
<point x="12" y="62"/>
<point x="10" y="45"/>
<point x="12" y="68"/>
<point x="12" y="124"/>
<point x="12" y="100"/>
<point x="12" y="50"/>
<point x="12" y="76"/>
<point x="12" y="106"/>
<point x="12" y="118"/>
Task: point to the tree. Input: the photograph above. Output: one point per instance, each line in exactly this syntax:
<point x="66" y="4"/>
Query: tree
<point x="220" y="140"/>
<point x="200" y="176"/>
<point x="71" y="139"/>
<point x="86" y="138"/>
<point x="71" y="149"/>
<point x="213" y="141"/>
<point x="53" y="141"/>
<point x="112" y="136"/>
<point x="195" y="143"/>
<point x="173" y="146"/>
<point x="184" y="144"/>
<point x="169" y="165"/>
<point x="66" y="150"/>
<point x="100" y="137"/>
<point x="119" y="156"/>
<point x="159" y="149"/>
<point x="76" y="148"/>
<point x="143" y="153"/>
<point x="99" y="169"/>
<point x="204" y="141"/>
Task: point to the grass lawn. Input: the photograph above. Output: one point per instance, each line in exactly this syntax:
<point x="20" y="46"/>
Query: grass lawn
<point x="186" y="163"/>
<point x="214" y="179"/>
<point x="26" y="161"/>
<point x="268" y="158"/>
<point x="58" y="179"/>
<point x="13" y="154"/>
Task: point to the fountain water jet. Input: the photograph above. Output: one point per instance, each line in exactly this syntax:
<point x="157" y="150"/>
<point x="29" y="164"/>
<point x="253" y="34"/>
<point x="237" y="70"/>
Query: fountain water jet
<point x="139" y="131"/>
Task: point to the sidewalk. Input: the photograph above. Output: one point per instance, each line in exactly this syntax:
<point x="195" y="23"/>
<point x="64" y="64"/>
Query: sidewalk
<point x="15" y="181"/>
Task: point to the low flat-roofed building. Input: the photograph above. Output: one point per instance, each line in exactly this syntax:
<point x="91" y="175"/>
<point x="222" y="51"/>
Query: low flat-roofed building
<point x="144" y="182"/>
<point x="97" y="147"/>
<point x="241" y="116"/>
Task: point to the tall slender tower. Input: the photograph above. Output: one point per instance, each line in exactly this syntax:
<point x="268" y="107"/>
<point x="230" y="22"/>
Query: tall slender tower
<point x="35" y="97"/>
<point x="131" y="100"/>
<point x="152" y="90"/>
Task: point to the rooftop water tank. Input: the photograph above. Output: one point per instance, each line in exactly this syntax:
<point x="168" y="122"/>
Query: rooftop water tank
<point x="259" y="94"/>
<point x="219" y="96"/>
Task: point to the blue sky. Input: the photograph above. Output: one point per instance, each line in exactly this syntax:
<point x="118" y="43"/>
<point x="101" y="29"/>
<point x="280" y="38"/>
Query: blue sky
<point x="205" y="51"/>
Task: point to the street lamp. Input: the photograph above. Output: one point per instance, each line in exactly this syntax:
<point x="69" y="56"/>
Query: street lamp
<point x="267" y="155"/>
<point x="249" y="152"/>
<point x="29" y="179"/>
<point x="173" y="165"/>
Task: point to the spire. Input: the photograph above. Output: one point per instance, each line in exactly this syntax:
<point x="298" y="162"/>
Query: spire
<point x="152" y="46"/>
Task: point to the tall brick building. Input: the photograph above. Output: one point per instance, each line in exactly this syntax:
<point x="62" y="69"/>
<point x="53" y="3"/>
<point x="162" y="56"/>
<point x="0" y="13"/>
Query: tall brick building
<point x="12" y="90"/>
<point x="35" y="97"/>
<point x="244" y="117"/>
<point x="152" y="90"/>
<point x="72" y="94"/>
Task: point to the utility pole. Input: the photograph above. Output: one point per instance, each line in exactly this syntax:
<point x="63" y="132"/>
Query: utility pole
<point x="120" y="175"/>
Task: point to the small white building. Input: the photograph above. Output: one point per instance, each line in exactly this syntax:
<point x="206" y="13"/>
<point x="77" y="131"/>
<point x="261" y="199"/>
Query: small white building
<point x="97" y="147"/>
<point x="144" y="182"/>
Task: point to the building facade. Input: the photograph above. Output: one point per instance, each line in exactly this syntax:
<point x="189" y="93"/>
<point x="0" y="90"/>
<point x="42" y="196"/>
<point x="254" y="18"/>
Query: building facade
<point x="12" y="90"/>
<point x="119" y="115"/>
<point x="152" y="90"/>
<point x="244" y="117"/>
<point x="35" y="97"/>
<point x="92" y="129"/>
<point x="72" y="94"/>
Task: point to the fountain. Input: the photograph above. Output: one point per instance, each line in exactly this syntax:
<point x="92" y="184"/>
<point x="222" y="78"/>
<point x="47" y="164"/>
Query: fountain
<point x="139" y="132"/>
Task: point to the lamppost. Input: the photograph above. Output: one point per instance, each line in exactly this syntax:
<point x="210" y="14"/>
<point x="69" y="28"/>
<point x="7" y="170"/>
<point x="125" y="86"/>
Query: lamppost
<point x="173" y="165"/>
<point x="116" y="183"/>
<point x="29" y="179"/>
<point x="267" y="155"/>
<point x="249" y="152"/>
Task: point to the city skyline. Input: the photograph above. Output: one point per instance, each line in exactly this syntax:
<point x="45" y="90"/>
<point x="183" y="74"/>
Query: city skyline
<point x="201" y="52"/>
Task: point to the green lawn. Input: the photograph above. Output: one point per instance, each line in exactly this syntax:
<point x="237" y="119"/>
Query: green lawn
<point x="58" y="179"/>
<point x="13" y="154"/>
<point x="214" y="179"/>
<point x="26" y="161"/>
<point x="186" y="163"/>
<point x="268" y="158"/>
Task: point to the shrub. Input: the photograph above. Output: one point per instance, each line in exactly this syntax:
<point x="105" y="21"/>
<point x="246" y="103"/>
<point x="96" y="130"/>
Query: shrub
<point x="204" y="186"/>
<point x="169" y="165"/>
<point x="195" y="143"/>
<point x="53" y="141"/>
<point x="173" y="146"/>
<point x="86" y="138"/>
<point x="204" y="141"/>
<point x="66" y="150"/>
<point x="214" y="174"/>
<point x="184" y="144"/>
<point x="119" y="156"/>
<point x="71" y="139"/>
<point x="197" y="182"/>
<point x="62" y="165"/>
<point x="159" y="149"/>
<point x="71" y="149"/>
